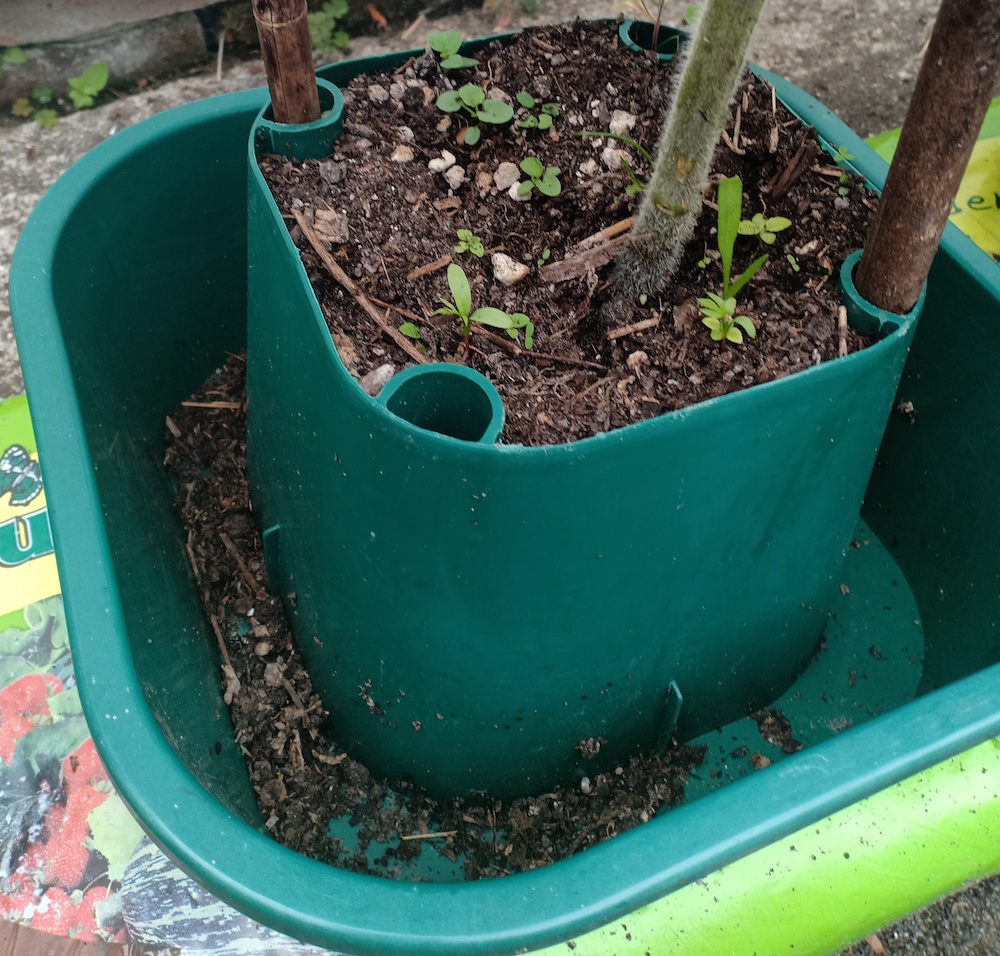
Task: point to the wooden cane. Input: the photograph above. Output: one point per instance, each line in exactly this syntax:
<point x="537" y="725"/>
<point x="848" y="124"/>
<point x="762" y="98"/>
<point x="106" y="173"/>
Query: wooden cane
<point x="283" y="30"/>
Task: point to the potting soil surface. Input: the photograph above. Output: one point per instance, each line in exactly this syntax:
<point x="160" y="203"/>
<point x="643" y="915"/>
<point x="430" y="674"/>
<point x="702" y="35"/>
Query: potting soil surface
<point x="388" y="205"/>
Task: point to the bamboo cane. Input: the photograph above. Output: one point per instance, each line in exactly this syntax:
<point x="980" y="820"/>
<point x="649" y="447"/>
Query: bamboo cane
<point x="283" y="30"/>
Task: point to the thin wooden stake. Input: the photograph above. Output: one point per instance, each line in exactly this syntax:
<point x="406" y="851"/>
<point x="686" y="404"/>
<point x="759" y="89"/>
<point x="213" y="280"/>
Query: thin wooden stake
<point x="349" y="285"/>
<point x="283" y="31"/>
<point x="953" y="90"/>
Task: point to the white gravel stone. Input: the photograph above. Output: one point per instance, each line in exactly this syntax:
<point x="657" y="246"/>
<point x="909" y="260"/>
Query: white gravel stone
<point x="445" y="161"/>
<point x="506" y="175"/>
<point x="506" y="270"/>
<point x="621" y="122"/>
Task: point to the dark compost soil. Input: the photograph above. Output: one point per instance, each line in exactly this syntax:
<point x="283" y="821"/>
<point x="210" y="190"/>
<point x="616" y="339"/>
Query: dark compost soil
<point x="390" y="222"/>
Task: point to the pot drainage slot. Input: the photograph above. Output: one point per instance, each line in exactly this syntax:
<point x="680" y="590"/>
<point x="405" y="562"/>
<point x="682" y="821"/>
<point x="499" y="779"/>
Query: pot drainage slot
<point x="450" y="400"/>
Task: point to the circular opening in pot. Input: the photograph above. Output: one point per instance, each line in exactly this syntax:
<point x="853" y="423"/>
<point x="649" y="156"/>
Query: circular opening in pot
<point x="447" y="400"/>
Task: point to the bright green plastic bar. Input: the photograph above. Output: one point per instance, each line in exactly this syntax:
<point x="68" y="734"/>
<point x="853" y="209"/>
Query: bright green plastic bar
<point x="835" y="881"/>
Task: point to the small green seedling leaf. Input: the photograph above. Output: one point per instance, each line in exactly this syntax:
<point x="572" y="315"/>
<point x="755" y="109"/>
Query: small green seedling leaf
<point x="496" y="112"/>
<point x="543" y="178"/>
<point x="22" y="107"/>
<point x="793" y="262"/>
<point x="449" y="101"/>
<point x="471" y="95"/>
<point x="721" y="320"/>
<point x="532" y="167"/>
<point x="543" y="118"/>
<point x="730" y="202"/>
<point x="46" y="119"/>
<point x="544" y="257"/>
<point x="447" y="43"/>
<point x="468" y="241"/>
<point x="410" y="330"/>
<point x="521" y="321"/>
<point x="458" y="282"/>
<point x="471" y="99"/>
<point x="748" y="274"/>
<point x="83" y="89"/>
<point x="42" y="95"/>
<point x="764" y="228"/>
<point x="458" y="62"/>
<point x="14" y="56"/>
<point x="487" y="315"/>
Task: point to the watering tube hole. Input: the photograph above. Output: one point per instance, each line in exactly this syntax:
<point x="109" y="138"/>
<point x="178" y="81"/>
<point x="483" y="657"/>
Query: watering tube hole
<point x="448" y="400"/>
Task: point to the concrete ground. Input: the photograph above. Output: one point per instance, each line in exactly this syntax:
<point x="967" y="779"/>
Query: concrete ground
<point x="859" y="57"/>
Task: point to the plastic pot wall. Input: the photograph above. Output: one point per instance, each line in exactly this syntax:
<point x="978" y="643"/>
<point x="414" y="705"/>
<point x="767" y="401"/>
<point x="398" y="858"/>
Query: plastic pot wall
<point x="499" y="604"/>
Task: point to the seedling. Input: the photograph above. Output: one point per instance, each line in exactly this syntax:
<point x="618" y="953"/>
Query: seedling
<point x="461" y="305"/>
<point x="730" y="202"/>
<point x="719" y="311"/>
<point x="323" y="32"/>
<point x="793" y="262"/>
<point x="543" y="178"/>
<point x="719" y="316"/>
<point x="540" y="120"/>
<point x="471" y="100"/>
<point x="12" y="56"/>
<point x="37" y="107"/>
<point x="544" y="257"/>
<point x="84" y="89"/>
<point x="843" y="156"/>
<point x="470" y="242"/>
<point x="764" y="228"/>
<point x="521" y="321"/>
<point x="446" y="44"/>
<point x="410" y="330"/>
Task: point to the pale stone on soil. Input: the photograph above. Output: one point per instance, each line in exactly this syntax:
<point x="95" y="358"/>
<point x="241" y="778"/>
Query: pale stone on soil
<point x="506" y="270"/>
<point x="445" y="161"/>
<point x="455" y="176"/>
<point x="507" y="175"/>
<point x="621" y="122"/>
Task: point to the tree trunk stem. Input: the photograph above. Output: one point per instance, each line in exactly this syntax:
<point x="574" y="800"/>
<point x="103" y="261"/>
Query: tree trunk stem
<point x="952" y="93"/>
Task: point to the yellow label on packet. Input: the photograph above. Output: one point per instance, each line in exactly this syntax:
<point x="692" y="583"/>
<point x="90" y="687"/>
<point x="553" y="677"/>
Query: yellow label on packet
<point x="976" y="210"/>
<point x="977" y="206"/>
<point x="27" y="557"/>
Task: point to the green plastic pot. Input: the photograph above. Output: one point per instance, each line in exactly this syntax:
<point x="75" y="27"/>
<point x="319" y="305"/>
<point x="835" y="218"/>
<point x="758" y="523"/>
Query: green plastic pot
<point x="499" y="604"/>
<point x="128" y="289"/>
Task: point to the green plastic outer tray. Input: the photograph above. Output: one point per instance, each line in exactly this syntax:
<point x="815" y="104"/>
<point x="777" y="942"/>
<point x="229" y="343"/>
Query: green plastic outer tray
<point x="128" y="289"/>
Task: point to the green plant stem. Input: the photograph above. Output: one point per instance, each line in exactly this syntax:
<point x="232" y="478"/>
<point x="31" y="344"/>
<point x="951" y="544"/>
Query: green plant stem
<point x="710" y="73"/>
